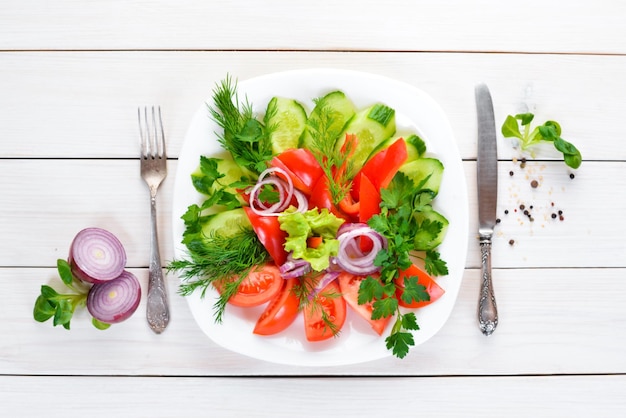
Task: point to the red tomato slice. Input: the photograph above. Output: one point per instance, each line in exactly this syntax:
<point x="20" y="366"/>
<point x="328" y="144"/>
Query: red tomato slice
<point x="434" y="290"/>
<point x="301" y="166"/>
<point x="262" y="284"/>
<point x="280" y="312"/>
<point x="333" y="305"/>
<point x="381" y="168"/>
<point x="349" y="285"/>
<point x="267" y="228"/>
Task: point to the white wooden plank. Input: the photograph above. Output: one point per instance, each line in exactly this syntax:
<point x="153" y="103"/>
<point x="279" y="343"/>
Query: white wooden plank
<point x="482" y="25"/>
<point x="83" y="104"/>
<point x="552" y="321"/>
<point x="577" y="396"/>
<point x="46" y="202"/>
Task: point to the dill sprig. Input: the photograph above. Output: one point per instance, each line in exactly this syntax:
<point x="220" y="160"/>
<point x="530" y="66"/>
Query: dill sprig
<point x="218" y="259"/>
<point x="312" y="300"/>
<point x="336" y="164"/>
<point x="246" y="138"/>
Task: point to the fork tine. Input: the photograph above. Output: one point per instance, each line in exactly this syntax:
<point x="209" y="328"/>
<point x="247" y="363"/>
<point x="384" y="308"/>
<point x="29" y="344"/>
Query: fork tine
<point x="143" y="131"/>
<point x="151" y="132"/>
<point x="161" y="142"/>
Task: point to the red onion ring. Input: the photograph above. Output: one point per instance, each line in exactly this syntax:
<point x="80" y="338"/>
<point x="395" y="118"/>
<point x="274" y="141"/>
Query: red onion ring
<point x="350" y="257"/>
<point x="116" y="300"/>
<point x="284" y="187"/>
<point x="285" y="192"/>
<point x="96" y="256"/>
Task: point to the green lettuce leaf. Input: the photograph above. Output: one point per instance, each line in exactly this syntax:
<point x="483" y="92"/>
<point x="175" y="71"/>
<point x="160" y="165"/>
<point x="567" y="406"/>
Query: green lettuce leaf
<point x="313" y="223"/>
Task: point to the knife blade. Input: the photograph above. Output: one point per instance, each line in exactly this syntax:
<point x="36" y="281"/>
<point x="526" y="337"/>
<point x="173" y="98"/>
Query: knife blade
<point x="487" y="178"/>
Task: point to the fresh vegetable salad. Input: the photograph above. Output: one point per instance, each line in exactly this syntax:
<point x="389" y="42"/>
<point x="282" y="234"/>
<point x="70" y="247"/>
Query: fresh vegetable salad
<point x="314" y="213"/>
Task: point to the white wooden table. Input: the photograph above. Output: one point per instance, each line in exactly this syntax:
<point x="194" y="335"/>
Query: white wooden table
<point x="71" y="76"/>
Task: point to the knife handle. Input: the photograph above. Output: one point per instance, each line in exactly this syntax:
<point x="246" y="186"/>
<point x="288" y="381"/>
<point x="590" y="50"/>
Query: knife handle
<point x="487" y="309"/>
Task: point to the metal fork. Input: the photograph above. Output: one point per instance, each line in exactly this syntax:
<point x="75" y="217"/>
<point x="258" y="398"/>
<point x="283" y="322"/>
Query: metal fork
<point x="153" y="171"/>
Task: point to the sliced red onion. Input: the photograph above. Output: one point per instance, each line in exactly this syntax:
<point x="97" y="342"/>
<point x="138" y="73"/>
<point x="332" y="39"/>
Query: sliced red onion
<point x="116" y="300"/>
<point x="350" y="257"/>
<point x="284" y="187"/>
<point x="96" y="256"/>
<point x="326" y="279"/>
<point x="286" y="192"/>
<point x="292" y="269"/>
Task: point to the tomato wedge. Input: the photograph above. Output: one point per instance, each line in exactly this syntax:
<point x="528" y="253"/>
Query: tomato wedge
<point x="381" y="168"/>
<point x="349" y="285"/>
<point x="280" y="312"/>
<point x="434" y="290"/>
<point x="262" y="284"/>
<point x="267" y="228"/>
<point x="301" y="166"/>
<point x="330" y="304"/>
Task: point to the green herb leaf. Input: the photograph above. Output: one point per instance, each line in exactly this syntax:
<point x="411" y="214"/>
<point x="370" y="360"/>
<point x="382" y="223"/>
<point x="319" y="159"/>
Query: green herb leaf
<point x="370" y="289"/>
<point x="65" y="272"/>
<point x="399" y="343"/>
<point x="413" y="291"/>
<point x="409" y="321"/>
<point x="99" y="324"/>
<point x="510" y="128"/>
<point x="384" y="308"/>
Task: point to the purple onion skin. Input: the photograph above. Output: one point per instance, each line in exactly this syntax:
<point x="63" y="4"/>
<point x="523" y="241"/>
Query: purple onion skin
<point x="107" y="307"/>
<point x="88" y="270"/>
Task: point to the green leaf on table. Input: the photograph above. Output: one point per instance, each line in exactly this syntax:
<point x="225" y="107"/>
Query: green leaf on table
<point x="65" y="272"/>
<point x="550" y="131"/>
<point x="99" y="324"/>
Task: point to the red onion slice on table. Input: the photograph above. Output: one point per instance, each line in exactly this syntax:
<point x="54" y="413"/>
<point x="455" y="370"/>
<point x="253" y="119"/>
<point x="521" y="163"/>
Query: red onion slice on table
<point x="96" y="256"/>
<point x="116" y="300"/>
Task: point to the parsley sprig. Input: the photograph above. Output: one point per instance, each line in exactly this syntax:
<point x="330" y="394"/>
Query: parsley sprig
<point x="397" y="221"/>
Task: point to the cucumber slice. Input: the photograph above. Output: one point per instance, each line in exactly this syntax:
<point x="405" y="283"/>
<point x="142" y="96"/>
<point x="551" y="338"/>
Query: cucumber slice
<point x="418" y="170"/>
<point x="415" y="147"/>
<point x="425" y="239"/>
<point x="331" y="113"/>
<point x="226" y="223"/>
<point x="287" y="118"/>
<point x="203" y="178"/>
<point x="372" y="127"/>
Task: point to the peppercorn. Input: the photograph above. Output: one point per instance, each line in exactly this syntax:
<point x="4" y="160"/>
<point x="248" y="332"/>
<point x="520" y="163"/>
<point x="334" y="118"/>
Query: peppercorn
<point x="511" y="242"/>
<point x="534" y="184"/>
<point x="572" y="175"/>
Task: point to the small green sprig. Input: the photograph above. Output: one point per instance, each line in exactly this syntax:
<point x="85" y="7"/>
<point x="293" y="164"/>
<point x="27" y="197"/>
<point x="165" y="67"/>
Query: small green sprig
<point x="61" y="307"/>
<point x="550" y="131"/>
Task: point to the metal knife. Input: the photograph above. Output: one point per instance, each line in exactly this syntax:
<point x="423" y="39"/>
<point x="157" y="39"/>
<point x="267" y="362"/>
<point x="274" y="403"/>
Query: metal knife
<point x="487" y="175"/>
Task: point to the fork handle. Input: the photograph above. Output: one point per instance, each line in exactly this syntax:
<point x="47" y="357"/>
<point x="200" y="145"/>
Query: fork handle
<point x="157" y="312"/>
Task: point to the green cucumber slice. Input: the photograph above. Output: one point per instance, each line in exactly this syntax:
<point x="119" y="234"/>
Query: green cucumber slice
<point x="424" y="239"/>
<point x="226" y="223"/>
<point x="286" y="119"/>
<point x="418" y="170"/>
<point x="372" y="127"/>
<point x="336" y="108"/>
